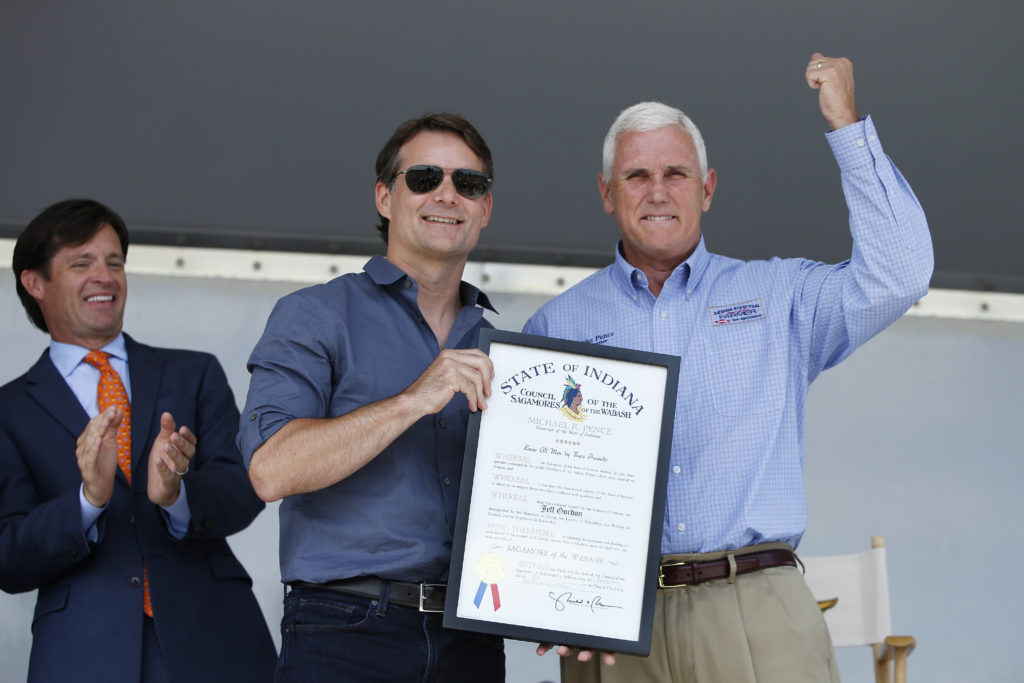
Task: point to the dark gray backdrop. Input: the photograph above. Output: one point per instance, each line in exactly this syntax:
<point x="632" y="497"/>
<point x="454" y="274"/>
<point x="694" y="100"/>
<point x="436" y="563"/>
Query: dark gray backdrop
<point x="255" y="124"/>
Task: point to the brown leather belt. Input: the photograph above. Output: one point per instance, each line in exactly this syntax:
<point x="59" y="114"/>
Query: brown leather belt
<point x="681" y="574"/>
<point x="426" y="597"/>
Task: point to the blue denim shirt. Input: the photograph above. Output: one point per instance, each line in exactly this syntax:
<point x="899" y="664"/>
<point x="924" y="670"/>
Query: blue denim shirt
<point x="751" y="337"/>
<point x="332" y="348"/>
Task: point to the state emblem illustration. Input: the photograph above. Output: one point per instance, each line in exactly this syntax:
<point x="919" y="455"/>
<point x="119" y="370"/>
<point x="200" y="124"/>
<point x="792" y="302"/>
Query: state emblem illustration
<point x="492" y="569"/>
<point x="572" y="401"/>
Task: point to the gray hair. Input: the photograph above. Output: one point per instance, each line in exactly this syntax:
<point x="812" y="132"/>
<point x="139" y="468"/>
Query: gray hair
<point x="647" y="116"/>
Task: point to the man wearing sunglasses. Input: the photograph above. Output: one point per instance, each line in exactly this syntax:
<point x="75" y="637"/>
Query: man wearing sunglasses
<point x="356" y="417"/>
<point x="751" y="336"/>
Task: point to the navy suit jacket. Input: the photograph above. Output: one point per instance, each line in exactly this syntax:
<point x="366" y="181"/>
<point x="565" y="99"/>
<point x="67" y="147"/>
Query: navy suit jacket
<point x="88" y="618"/>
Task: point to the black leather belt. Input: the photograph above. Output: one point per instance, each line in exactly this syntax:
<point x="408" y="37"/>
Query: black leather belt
<point x="681" y="574"/>
<point x="426" y="597"/>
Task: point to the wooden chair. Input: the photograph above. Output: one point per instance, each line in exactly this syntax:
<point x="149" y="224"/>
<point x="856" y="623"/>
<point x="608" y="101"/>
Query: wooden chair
<point x="853" y="592"/>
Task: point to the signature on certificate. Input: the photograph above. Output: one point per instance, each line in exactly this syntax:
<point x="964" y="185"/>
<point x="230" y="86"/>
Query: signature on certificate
<point x="562" y="601"/>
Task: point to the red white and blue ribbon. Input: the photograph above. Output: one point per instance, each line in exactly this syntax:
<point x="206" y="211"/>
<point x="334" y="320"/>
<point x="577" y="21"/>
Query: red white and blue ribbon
<point x="495" y="598"/>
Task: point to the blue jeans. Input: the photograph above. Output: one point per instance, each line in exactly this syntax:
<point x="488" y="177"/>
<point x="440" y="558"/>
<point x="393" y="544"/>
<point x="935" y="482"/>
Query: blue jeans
<point x="331" y="636"/>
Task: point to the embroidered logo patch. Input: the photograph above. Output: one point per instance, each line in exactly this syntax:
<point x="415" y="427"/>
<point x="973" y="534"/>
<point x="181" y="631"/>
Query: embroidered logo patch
<point x="737" y="313"/>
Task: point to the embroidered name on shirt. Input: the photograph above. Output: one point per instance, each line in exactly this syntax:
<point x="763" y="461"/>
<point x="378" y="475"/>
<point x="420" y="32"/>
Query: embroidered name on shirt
<point x="600" y="339"/>
<point x="737" y="313"/>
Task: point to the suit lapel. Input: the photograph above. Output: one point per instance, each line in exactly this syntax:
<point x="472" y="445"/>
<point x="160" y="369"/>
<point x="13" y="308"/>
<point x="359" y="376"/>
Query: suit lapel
<point x="52" y="393"/>
<point x="145" y="369"/>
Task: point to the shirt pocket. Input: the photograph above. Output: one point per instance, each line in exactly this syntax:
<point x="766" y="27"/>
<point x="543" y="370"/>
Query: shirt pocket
<point x="744" y="362"/>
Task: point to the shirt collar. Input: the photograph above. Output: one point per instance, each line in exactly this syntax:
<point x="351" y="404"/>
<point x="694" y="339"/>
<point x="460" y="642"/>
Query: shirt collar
<point x="66" y="357"/>
<point x="384" y="273"/>
<point x="686" y="276"/>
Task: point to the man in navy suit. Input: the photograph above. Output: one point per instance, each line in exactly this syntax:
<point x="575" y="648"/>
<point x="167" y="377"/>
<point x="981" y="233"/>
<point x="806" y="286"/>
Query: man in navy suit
<point x="95" y="538"/>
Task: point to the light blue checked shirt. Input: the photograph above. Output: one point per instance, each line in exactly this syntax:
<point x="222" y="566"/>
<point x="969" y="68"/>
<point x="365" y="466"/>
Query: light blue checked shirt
<point x="751" y="337"/>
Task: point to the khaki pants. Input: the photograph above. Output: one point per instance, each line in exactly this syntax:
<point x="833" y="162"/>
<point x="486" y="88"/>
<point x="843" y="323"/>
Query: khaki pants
<point x="765" y="627"/>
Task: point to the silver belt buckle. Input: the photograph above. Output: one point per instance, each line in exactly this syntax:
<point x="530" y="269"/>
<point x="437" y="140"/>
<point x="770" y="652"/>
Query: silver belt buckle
<point x="426" y="591"/>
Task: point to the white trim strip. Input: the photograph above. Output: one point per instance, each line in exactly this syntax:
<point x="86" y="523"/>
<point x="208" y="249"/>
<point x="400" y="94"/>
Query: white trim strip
<point x="970" y="305"/>
<point x="492" y="277"/>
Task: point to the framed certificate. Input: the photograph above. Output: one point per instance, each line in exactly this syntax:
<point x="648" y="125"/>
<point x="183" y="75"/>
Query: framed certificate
<point x="558" y="535"/>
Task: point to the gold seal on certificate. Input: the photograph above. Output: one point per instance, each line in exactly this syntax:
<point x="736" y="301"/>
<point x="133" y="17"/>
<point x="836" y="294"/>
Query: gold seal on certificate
<point x="563" y="494"/>
<point x="491" y="569"/>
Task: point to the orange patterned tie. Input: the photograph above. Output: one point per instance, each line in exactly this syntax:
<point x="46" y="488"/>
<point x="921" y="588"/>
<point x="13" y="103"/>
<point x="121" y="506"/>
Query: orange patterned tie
<point x="110" y="392"/>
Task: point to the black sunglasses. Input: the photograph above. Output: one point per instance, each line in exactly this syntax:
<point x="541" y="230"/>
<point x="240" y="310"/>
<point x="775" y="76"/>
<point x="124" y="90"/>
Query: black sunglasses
<point x="469" y="183"/>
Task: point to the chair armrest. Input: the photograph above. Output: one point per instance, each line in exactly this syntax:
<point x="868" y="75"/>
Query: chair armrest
<point x="825" y="605"/>
<point x="894" y="649"/>
<point x="893" y="644"/>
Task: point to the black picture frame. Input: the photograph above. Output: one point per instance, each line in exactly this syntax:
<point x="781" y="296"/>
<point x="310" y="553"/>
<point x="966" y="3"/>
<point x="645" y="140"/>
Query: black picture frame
<point x="487" y="621"/>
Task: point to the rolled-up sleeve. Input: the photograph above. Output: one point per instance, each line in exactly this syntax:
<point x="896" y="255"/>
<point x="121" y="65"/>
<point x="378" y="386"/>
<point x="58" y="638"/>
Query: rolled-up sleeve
<point x="292" y="371"/>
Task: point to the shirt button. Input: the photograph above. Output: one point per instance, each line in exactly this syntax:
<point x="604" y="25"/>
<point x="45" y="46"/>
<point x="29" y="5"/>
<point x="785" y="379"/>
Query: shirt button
<point x="872" y="138"/>
<point x="681" y="527"/>
<point x="209" y="524"/>
<point x="135" y="582"/>
<point x="677" y="469"/>
<point x="861" y="143"/>
<point x="408" y="283"/>
<point x="447" y="481"/>
<point x="252" y="417"/>
<point x="131" y="518"/>
<point x="443" y="424"/>
<point x="664" y="315"/>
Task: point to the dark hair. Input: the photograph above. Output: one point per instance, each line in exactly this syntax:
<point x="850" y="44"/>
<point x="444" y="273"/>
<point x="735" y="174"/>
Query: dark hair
<point x="387" y="160"/>
<point x="570" y="396"/>
<point x="65" y="224"/>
